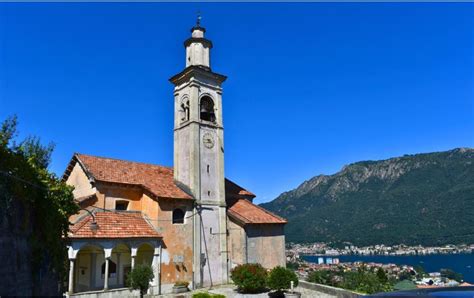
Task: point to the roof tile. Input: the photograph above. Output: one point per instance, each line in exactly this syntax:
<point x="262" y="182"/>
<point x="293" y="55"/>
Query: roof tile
<point x="159" y="181"/>
<point x="248" y="213"/>
<point x="114" y="225"/>
<point x="156" y="179"/>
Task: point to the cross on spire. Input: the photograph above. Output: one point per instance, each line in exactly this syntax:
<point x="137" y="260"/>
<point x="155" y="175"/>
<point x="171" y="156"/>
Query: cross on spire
<point x="198" y="20"/>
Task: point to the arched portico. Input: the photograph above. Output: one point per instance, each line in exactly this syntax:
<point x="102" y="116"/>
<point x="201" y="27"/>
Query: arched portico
<point x="145" y="253"/>
<point x="105" y="264"/>
<point x="85" y="271"/>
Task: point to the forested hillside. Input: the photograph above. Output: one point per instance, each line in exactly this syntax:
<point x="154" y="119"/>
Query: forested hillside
<point x="423" y="199"/>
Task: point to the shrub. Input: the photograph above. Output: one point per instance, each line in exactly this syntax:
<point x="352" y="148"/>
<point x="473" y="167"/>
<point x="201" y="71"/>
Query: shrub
<point x="324" y="277"/>
<point x="139" y="278"/>
<point x="292" y="265"/>
<point x="280" y="278"/>
<point x="249" y="278"/>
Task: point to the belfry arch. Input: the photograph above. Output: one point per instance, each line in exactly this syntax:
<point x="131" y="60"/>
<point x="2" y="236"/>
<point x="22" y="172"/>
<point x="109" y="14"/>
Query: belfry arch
<point x="206" y="109"/>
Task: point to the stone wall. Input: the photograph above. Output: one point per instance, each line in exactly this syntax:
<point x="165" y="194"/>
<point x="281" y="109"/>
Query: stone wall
<point x="16" y="272"/>
<point x="108" y="294"/>
<point x="308" y="289"/>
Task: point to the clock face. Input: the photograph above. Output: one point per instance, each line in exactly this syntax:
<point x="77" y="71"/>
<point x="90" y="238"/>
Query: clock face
<point x="208" y="140"/>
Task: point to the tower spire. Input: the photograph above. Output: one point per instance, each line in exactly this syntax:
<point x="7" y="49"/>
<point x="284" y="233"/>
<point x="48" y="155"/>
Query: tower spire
<point x="197" y="46"/>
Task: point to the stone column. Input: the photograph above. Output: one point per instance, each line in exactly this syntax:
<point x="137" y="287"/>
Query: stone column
<point x="71" y="276"/>
<point x="117" y="271"/>
<point x="156" y="266"/>
<point x="72" y="254"/>
<point x="93" y="270"/>
<point x="134" y="255"/>
<point x="107" y="257"/>
<point x="106" y="276"/>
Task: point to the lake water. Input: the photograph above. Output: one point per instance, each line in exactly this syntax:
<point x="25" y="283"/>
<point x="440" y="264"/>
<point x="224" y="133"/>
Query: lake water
<point x="462" y="263"/>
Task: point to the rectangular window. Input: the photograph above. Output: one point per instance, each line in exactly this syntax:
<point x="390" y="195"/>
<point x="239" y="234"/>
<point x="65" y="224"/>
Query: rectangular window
<point x="121" y="205"/>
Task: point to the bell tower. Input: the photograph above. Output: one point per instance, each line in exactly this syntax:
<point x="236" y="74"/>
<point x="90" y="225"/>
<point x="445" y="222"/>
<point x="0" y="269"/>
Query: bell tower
<point x="199" y="156"/>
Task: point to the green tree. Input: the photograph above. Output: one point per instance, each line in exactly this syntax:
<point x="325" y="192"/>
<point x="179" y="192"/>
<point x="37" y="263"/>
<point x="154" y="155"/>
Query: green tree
<point x="292" y="265"/>
<point x="405" y="275"/>
<point x="324" y="277"/>
<point x="370" y="282"/>
<point x="420" y="271"/>
<point x="451" y="274"/>
<point x="381" y="275"/>
<point x="30" y="193"/>
<point x="140" y="277"/>
<point x="363" y="280"/>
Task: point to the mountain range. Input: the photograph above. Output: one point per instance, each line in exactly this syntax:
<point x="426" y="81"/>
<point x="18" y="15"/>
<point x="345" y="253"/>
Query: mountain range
<point x="425" y="199"/>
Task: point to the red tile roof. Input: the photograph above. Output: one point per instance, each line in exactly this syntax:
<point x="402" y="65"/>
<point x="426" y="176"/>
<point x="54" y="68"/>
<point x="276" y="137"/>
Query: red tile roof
<point x="158" y="180"/>
<point x="244" y="211"/>
<point x="114" y="225"/>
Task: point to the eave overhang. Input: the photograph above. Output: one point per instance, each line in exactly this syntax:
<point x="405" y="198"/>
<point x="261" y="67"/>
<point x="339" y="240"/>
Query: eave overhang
<point x="196" y="70"/>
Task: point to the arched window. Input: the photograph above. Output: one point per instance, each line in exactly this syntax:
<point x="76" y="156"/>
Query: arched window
<point x="207" y="109"/>
<point x="112" y="269"/>
<point x="185" y="110"/>
<point x="178" y="216"/>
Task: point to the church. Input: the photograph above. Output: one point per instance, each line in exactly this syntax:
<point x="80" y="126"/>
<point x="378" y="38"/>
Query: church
<point x="188" y="221"/>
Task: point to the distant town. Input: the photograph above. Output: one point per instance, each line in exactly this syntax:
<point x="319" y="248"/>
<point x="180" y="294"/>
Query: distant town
<point x="328" y="269"/>
<point x="324" y="249"/>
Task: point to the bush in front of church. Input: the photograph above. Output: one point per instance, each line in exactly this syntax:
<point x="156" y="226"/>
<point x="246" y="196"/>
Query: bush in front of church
<point x="249" y="278"/>
<point x="280" y="279"/>
<point x="140" y="277"/>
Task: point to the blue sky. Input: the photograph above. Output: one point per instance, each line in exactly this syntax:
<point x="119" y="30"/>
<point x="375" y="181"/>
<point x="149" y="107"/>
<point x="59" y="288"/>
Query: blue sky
<point x="311" y="87"/>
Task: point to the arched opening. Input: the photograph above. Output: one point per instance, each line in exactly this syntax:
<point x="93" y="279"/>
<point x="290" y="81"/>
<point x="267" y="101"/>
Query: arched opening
<point x="184" y="109"/>
<point x="87" y="275"/>
<point x="112" y="269"/>
<point x="178" y="216"/>
<point x="122" y="257"/>
<point x="145" y="254"/>
<point x="207" y="109"/>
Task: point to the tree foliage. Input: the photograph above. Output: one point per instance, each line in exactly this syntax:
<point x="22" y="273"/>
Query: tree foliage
<point x="31" y="194"/>
<point x="140" y="277"/>
<point x="405" y="275"/>
<point x="362" y="280"/>
<point x="292" y="265"/>
<point x="420" y="272"/>
<point x="448" y="273"/>
<point x="324" y="277"/>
